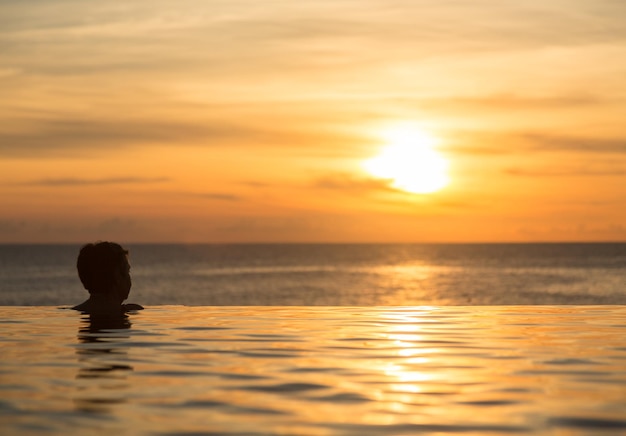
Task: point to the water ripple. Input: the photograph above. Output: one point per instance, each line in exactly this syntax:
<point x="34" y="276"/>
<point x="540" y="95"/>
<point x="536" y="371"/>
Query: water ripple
<point x="587" y="423"/>
<point x="286" y="387"/>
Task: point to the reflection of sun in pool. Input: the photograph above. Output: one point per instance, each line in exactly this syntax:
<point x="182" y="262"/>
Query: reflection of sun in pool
<point x="410" y="161"/>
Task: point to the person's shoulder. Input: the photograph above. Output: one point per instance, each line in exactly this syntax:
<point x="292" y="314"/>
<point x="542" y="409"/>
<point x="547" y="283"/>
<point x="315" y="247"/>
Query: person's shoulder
<point x="82" y="307"/>
<point x="132" y="306"/>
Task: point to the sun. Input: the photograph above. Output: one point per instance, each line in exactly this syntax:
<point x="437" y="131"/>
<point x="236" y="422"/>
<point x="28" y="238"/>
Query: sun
<point x="410" y="161"/>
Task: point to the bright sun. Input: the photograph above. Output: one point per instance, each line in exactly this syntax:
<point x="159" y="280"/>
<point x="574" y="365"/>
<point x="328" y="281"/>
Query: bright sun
<point x="411" y="161"/>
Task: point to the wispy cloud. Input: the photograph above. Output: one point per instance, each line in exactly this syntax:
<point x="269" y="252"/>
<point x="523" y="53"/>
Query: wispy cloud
<point x="54" y="182"/>
<point x="255" y="184"/>
<point x="348" y="183"/>
<point x="64" y="136"/>
<point x="515" y="142"/>
<point x="504" y="102"/>
<point x="37" y="135"/>
<point x="566" y="172"/>
<point x="217" y="196"/>
<point x="574" y="143"/>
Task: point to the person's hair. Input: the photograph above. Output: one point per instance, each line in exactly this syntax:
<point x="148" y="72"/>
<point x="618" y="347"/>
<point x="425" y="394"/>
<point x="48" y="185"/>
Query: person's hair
<point x="99" y="264"/>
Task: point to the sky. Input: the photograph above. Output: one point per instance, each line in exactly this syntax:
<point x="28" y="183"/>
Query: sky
<point x="241" y="121"/>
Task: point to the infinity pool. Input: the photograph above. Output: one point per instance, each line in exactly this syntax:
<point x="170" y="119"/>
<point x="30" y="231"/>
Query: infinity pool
<point x="172" y="370"/>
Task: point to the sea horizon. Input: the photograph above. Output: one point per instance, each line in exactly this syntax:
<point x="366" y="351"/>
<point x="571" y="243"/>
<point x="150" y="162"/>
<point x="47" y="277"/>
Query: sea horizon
<point x="571" y="242"/>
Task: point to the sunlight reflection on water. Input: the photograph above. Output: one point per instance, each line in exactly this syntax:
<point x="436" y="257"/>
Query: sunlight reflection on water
<point x="316" y="370"/>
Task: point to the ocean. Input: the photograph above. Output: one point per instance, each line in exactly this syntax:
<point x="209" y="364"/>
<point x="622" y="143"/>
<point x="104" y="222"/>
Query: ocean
<point x="332" y="274"/>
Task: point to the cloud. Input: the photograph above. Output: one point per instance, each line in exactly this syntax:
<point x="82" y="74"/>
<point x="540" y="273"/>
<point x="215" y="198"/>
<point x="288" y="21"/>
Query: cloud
<point x="499" y="102"/>
<point x="255" y="184"/>
<point x="344" y="182"/>
<point x="293" y="128"/>
<point x="92" y="182"/>
<point x="218" y="196"/>
<point x="566" y="172"/>
<point x="515" y="142"/>
<point x="64" y="136"/>
<point x="544" y="142"/>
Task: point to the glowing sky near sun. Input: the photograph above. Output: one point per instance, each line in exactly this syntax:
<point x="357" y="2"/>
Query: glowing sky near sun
<point x="222" y="121"/>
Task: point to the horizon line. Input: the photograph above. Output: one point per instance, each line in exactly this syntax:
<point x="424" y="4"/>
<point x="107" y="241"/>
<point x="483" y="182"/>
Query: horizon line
<point x="323" y="243"/>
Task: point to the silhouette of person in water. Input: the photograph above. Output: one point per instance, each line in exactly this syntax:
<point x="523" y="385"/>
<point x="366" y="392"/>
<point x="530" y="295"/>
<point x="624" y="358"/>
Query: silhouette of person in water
<point x="104" y="271"/>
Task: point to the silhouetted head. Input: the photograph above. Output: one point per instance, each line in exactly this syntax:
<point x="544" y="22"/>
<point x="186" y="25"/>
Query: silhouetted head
<point x="103" y="269"/>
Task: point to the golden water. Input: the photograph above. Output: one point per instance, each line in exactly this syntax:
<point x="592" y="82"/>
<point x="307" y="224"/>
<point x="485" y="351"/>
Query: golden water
<point x="315" y="370"/>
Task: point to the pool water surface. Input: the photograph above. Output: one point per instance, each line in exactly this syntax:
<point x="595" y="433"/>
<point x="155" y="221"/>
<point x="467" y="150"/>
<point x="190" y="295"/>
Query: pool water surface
<point x="174" y="370"/>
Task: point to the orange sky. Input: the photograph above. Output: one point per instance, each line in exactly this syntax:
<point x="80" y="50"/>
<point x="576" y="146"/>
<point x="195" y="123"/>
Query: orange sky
<point x="223" y="121"/>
